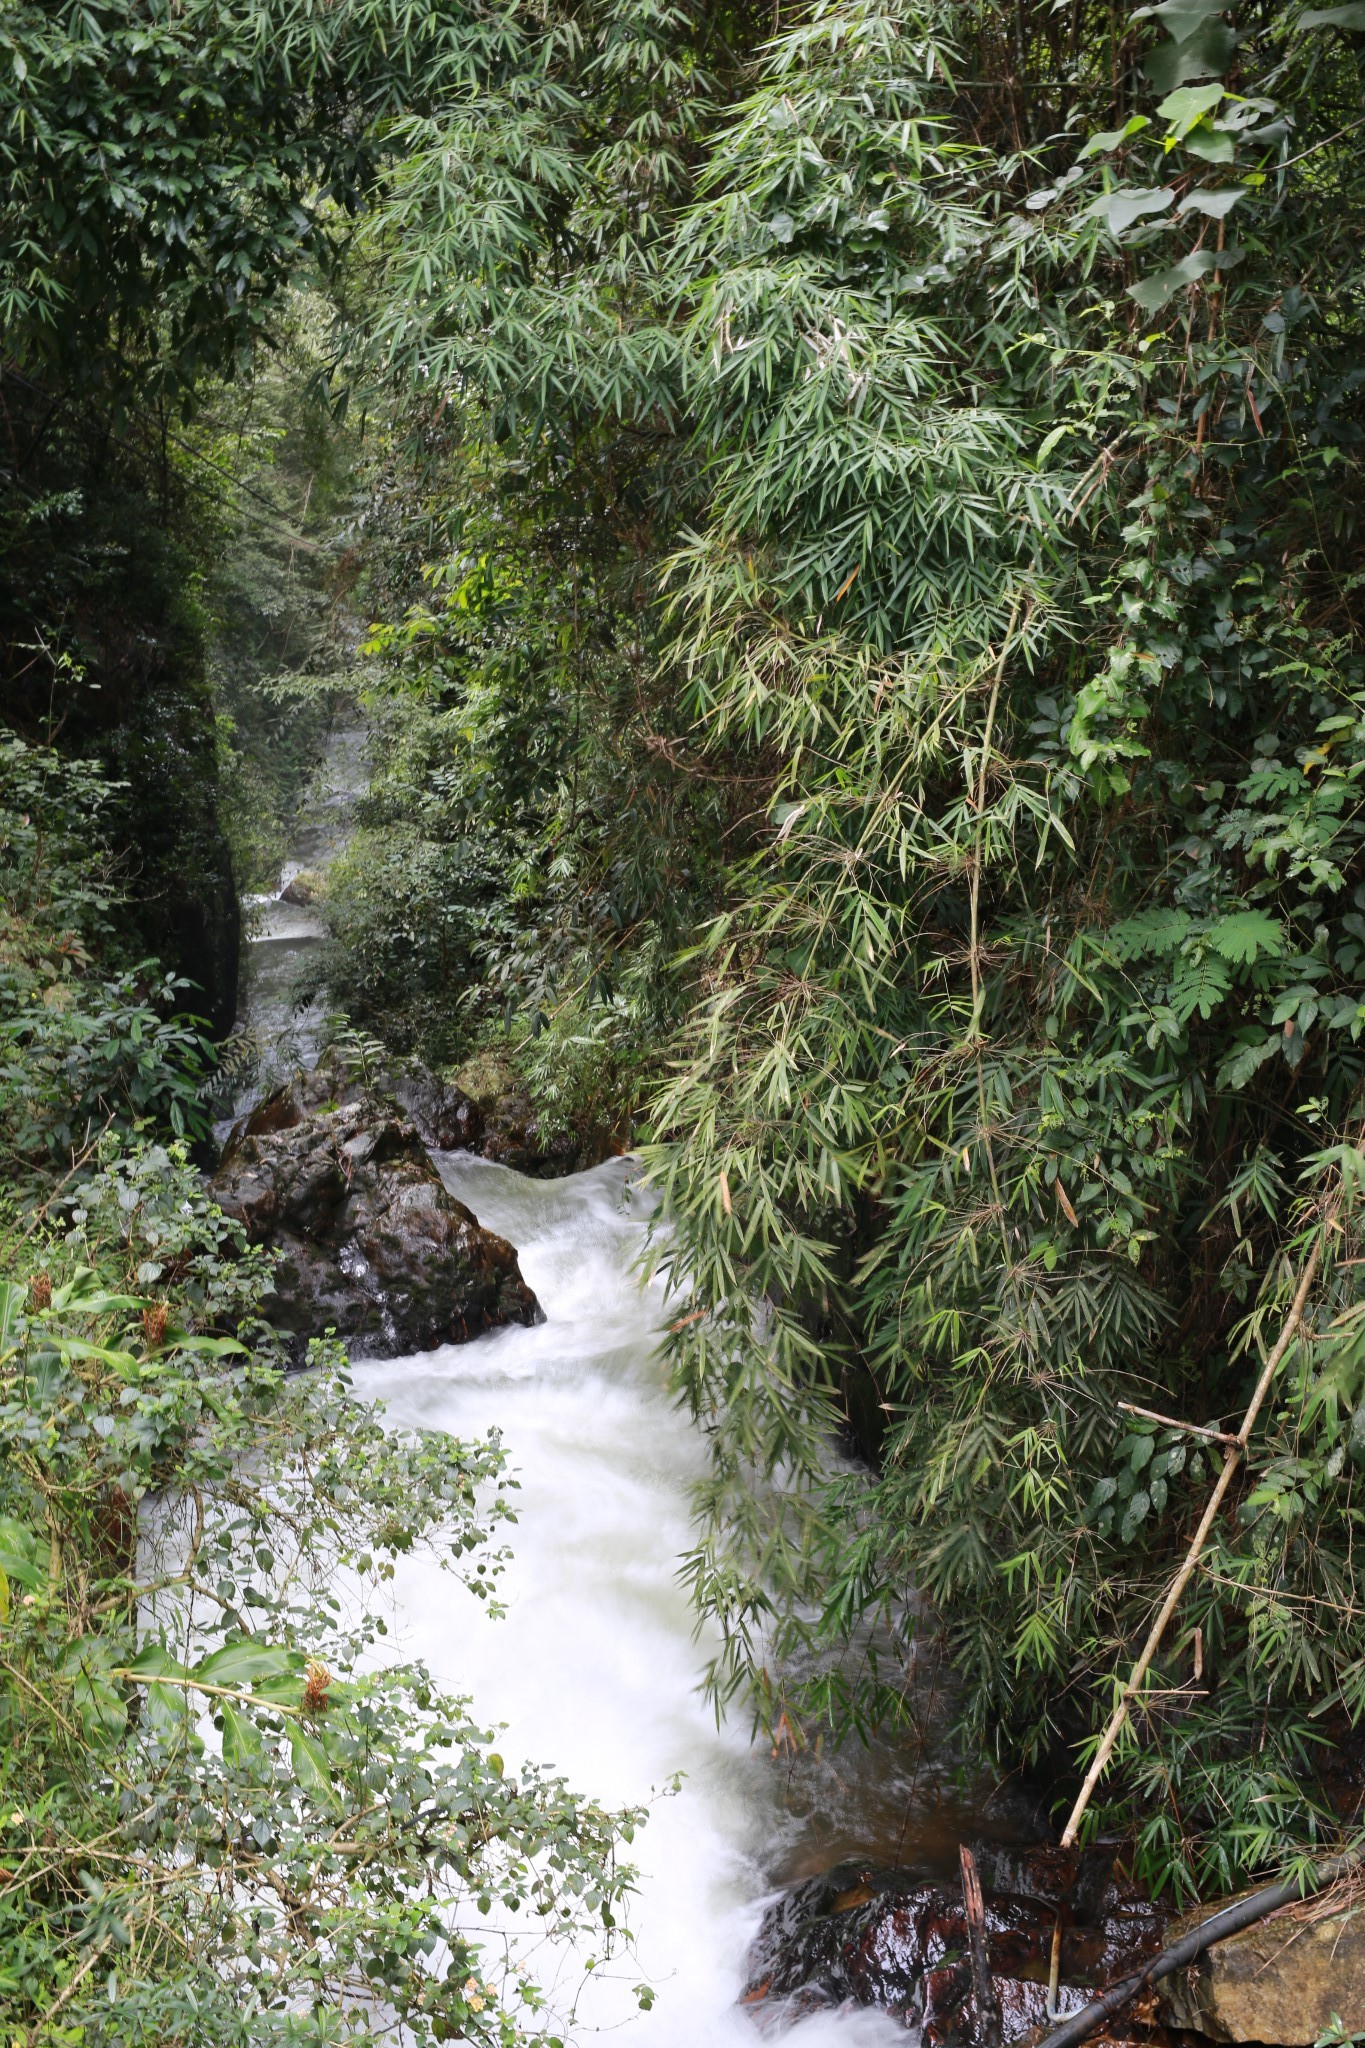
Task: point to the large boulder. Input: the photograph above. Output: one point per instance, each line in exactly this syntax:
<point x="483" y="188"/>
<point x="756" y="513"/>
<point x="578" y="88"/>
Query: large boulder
<point x="1284" y="1980"/>
<point x="898" y="1941"/>
<point x="373" y="1246"/>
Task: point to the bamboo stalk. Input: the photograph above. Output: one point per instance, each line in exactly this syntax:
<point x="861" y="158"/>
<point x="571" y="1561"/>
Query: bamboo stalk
<point x="1231" y="1461"/>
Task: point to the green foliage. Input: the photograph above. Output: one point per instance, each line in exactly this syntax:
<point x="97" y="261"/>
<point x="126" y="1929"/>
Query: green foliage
<point x="864" y="533"/>
<point x="85" y="1046"/>
<point x="1053" y="934"/>
<point x="274" y="476"/>
<point x="167" y="169"/>
<point x="222" y="1820"/>
<point x="975" y="500"/>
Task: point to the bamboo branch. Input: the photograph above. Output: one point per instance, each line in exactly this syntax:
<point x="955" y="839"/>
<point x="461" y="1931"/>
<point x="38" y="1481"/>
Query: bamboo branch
<point x="1231" y="1461"/>
<point x="1217" y="1436"/>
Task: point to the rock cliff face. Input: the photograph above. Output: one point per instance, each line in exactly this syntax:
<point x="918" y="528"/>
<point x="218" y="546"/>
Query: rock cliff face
<point x="373" y="1245"/>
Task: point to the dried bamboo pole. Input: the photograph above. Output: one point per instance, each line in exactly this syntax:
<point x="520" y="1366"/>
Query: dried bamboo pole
<point x="988" y="2016"/>
<point x="1232" y="1458"/>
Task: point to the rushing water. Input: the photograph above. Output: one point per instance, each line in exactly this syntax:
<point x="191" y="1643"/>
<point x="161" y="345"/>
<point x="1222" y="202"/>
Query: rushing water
<point x="594" y="1668"/>
<point x="280" y="1031"/>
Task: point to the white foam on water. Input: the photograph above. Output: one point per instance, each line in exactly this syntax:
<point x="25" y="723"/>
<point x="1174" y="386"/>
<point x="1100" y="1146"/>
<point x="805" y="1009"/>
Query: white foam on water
<point x="594" y="1668"/>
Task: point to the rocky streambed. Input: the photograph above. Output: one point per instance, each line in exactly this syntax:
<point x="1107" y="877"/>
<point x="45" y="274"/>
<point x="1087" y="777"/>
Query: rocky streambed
<point x="890" y="1939"/>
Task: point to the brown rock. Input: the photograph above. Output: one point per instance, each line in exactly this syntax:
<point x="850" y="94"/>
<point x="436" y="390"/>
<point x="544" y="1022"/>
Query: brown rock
<point x="897" y="1941"/>
<point x="373" y="1246"/>
<point x="512" y="1132"/>
<point x="445" y="1116"/>
<point x="1284" y="1980"/>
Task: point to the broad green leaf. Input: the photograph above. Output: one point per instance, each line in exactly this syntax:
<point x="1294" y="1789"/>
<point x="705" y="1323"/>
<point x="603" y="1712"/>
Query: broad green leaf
<point x="170" y="1708"/>
<point x="13" y="1295"/>
<point x="84" y="1294"/>
<point x="1181" y="110"/>
<point x="205" y="1347"/>
<point x="1100" y="145"/>
<point x="1154" y="292"/>
<point x="1182" y="18"/>
<point x="21" y="1553"/>
<point x="1216" y="204"/>
<point x="1351" y="16"/>
<point x="311" y="1766"/>
<point x="101" y="1707"/>
<point x="1211" y="145"/>
<point x="241" y="1737"/>
<point x="239" y="1663"/>
<point x="1205" y="54"/>
<point x="1118" y="210"/>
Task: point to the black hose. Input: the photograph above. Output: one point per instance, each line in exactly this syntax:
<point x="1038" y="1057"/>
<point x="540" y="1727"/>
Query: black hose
<point x="1231" y="1920"/>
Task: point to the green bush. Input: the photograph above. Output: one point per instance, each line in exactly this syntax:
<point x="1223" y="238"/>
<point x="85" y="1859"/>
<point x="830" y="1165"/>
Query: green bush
<point x="221" y="1823"/>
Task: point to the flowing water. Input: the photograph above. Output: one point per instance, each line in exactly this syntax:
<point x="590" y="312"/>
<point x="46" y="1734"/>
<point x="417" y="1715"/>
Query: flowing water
<point x="594" y="1668"/>
<point x="279" y="1031"/>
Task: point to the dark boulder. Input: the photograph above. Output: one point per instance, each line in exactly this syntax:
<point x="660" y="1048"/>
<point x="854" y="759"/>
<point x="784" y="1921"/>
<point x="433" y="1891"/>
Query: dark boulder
<point x="444" y="1115"/>
<point x="514" y="1133"/>
<point x="897" y="1940"/>
<point x="298" y="892"/>
<point x="373" y="1246"/>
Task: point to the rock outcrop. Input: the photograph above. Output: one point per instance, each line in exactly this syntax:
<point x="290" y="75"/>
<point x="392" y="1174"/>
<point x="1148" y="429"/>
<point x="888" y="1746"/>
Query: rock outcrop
<point x="444" y="1115"/>
<point x="897" y="1941"/>
<point x="373" y="1245"/>
<point x="513" y="1133"/>
<point x="1285" y="1980"/>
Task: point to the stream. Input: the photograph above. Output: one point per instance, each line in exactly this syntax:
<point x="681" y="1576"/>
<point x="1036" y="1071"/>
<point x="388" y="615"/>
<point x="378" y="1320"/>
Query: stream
<point x="595" y="1666"/>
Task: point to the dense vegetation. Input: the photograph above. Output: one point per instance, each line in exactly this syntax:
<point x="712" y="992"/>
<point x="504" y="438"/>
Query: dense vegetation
<point x="858" y="510"/>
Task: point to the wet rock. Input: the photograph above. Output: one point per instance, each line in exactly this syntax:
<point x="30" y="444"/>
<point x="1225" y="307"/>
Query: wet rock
<point x="515" y="1134"/>
<point x="898" y="1941"/>
<point x="444" y="1115"/>
<point x="373" y="1246"/>
<point x="298" y="892"/>
<point x="1285" y="1980"/>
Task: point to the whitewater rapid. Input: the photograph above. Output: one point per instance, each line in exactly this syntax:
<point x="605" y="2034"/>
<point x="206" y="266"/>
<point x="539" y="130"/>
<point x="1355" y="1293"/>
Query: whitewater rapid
<point x="594" y="1668"/>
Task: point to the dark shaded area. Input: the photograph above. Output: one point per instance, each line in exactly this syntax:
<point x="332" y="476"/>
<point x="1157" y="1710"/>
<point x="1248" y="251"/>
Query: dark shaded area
<point x="102" y="655"/>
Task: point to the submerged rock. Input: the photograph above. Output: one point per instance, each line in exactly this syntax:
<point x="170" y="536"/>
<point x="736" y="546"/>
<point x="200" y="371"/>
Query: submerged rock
<point x="1284" y="1980"/>
<point x="373" y="1244"/>
<point x="898" y="1941"/>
